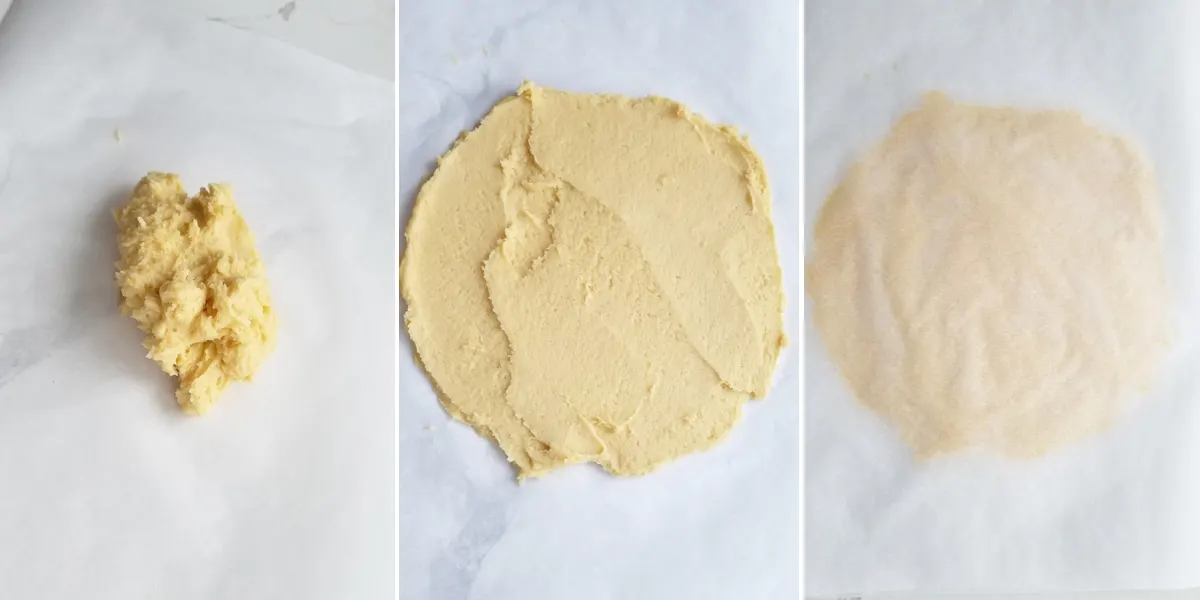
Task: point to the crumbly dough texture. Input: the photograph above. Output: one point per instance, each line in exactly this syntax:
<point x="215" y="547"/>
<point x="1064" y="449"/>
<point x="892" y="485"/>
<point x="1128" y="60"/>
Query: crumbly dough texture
<point x="594" y="278"/>
<point x="993" y="277"/>
<point x="190" y="276"/>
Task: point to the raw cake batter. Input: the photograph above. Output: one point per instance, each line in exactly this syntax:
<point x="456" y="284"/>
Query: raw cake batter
<point x="993" y="277"/>
<point x="190" y="276"/>
<point x="594" y="278"/>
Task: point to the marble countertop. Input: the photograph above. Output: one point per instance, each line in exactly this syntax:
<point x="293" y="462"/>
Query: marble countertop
<point x="360" y="34"/>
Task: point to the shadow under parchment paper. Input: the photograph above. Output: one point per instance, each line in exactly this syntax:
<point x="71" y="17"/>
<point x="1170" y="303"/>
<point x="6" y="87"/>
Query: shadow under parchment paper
<point x="24" y="347"/>
<point x="92" y="314"/>
<point x="453" y="572"/>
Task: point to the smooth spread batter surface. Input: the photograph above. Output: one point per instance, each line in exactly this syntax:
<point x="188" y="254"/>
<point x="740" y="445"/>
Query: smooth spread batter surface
<point x="594" y="278"/>
<point x="190" y="276"/>
<point x="993" y="277"/>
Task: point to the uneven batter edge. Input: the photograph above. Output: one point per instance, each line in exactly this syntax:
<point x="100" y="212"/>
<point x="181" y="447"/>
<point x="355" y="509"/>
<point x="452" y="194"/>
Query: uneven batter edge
<point x="191" y="278"/>
<point x="594" y="278"/>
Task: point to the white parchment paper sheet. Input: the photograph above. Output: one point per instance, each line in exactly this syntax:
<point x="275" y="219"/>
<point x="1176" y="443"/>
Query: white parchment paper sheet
<point x="1120" y="511"/>
<point x="286" y="489"/>
<point x="720" y="524"/>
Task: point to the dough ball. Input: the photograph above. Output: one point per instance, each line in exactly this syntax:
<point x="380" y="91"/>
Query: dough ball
<point x="993" y="277"/>
<point x="191" y="278"/>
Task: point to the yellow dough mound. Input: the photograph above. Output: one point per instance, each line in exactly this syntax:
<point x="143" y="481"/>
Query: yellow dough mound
<point x="190" y="276"/>
<point x="594" y="278"/>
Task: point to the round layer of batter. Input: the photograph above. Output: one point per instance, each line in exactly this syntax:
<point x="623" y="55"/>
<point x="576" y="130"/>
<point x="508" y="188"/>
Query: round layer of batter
<point x="993" y="277"/>
<point x="594" y="278"/>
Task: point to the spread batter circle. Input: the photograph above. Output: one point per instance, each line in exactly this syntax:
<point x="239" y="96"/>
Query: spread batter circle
<point x="993" y="277"/>
<point x="594" y="278"/>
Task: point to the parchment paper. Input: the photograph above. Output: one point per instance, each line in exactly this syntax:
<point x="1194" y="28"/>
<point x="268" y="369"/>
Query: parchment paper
<point x="720" y="524"/>
<point x="286" y="489"/>
<point x="1120" y="511"/>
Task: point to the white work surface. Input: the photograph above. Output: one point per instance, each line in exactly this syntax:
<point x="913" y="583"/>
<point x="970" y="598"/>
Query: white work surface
<point x="1115" y="512"/>
<point x="714" y="525"/>
<point x="286" y="488"/>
